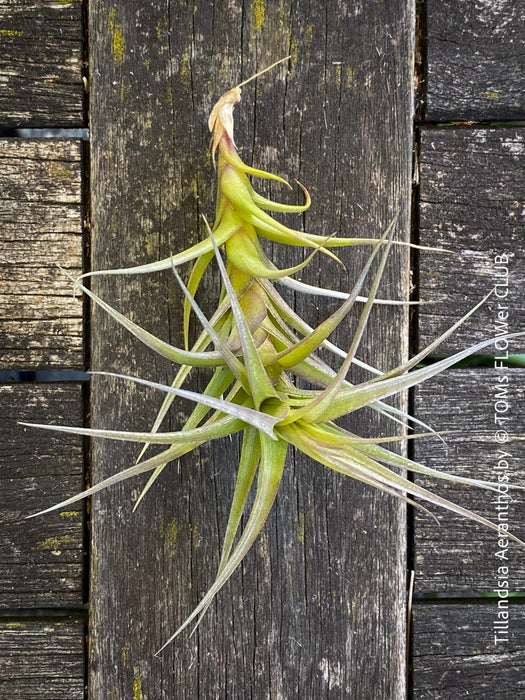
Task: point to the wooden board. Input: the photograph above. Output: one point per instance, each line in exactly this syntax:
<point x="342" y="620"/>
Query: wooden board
<point x="42" y="559"/>
<point x="41" y="64"/>
<point x="320" y="603"/>
<point x="42" y="659"/>
<point x="458" y="556"/>
<point x="471" y="200"/>
<point x="40" y="229"/>
<point x="456" y="655"/>
<point x="475" y="63"/>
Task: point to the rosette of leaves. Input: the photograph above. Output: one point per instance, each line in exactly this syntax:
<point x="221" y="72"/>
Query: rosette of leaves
<point x="258" y="346"/>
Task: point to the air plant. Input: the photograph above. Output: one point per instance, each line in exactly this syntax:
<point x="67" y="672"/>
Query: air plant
<point x="258" y="346"/>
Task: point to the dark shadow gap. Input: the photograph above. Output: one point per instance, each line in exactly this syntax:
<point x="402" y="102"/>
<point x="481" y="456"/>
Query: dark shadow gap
<point x="477" y="361"/>
<point x="420" y="69"/>
<point x="13" y="376"/>
<point x="481" y="124"/>
<point x="467" y="597"/>
<point x="44" y="613"/>
<point x="30" y="133"/>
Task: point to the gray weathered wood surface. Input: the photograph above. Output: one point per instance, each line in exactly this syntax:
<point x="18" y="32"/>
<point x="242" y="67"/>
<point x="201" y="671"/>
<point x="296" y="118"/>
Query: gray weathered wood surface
<point x="42" y="659"/>
<point x="319" y="605"/>
<point x="475" y="60"/>
<point x="458" y="556"/>
<point x="41" y="560"/>
<point x="41" y="63"/>
<point x="150" y="126"/>
<point x="40" y="229"/>
<point x="455" y="655"/>
<point x="471" y="202"/>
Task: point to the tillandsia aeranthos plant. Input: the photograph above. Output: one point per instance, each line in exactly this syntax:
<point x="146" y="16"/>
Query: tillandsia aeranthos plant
<point x="258" y="346"/>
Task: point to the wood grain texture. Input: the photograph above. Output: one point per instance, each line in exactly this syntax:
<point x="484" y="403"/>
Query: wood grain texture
<point x="42" y="559"/>
<point x="41" y="63"/>
<point x="40" y="228"/>
<point x="471" y="202"/>
<point x="455" y="655"/>
<point x="41" y="659"/>
<point x="318" y="606"/>
<point x="475" y="56"/>
<point x="458" y="556"/>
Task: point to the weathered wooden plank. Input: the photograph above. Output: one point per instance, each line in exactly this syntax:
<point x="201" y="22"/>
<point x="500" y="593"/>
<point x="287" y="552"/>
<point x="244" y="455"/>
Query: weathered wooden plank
<point x="471" y="200"/>
<point x="42" y="660"/>
<point x="40" y="228"/>
<point x="459" y="556"/>
<point x="320" y="602"/>
<point x="41" y="63"/>
<point x="41" y="560"/>
<point x="475" y="63"/>
<point x="456" y="654"/>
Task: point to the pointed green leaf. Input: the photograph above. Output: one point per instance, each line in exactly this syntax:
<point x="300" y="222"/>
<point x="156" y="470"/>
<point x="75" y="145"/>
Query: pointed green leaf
<point x="301" y="350"/>
<point x="394" y="460"/>
<point x="220" y="428"/>
<point x="168" y="455"/>
<point x="436" y="343"/>
<point x="261" y="421"/>
<point x="233" y="363"/>
<point x="223" y="232"/>
<point x="217" y="385"/>
<point x="261" y="386"/>
<point x="196" y="359"/>
<point x="298" y="286"/>
<point x="315" y="410"/>
<point x="364" y="394"/>
<point x="269" y="477"/>
<point x="196" y="274"/>
<point x="281" y="308"/>
<point x="243" y="254"/>
<point x="270" y="205"/>
<point x="233" y="159"/>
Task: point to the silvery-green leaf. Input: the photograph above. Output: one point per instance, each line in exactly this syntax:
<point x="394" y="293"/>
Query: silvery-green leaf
<point x="259" y="420"/>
